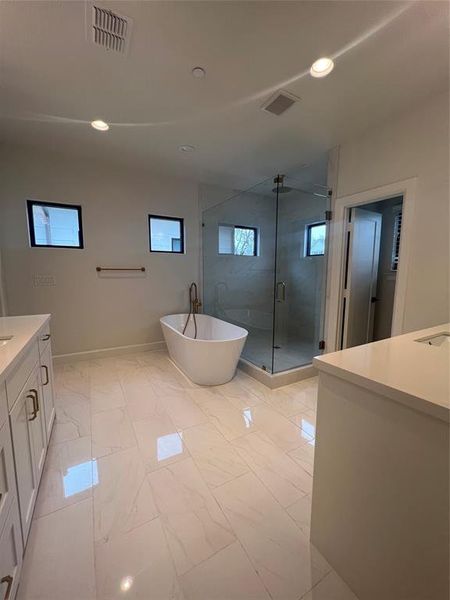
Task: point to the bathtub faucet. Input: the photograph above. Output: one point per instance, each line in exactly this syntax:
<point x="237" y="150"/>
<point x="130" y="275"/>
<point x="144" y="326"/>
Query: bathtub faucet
<point x="194" y="305"/>
<point x="193" y="298"/>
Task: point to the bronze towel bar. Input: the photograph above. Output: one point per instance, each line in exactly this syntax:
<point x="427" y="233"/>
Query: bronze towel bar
<point x="119" y="269"/>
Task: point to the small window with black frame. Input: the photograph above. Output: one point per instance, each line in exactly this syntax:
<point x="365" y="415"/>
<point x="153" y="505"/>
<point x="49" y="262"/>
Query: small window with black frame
<point x="54" y="225"/>
<point x="238" y="240"/>
<point x="166" y="234"/>
<point x="315" y="239"/>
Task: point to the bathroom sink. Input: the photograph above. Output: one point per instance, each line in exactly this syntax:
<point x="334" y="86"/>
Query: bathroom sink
<point x="4" y="339"/>
<point x="438" y="339"/>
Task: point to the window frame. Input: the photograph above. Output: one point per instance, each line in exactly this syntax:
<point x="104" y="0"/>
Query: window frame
<point x="309" y="227"/>
<point x="77" y="207"/>
<point x="255" y="245"/>
<point x="180" y="220"/>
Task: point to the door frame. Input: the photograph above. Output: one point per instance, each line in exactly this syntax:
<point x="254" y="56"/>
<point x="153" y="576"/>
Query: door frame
<point x="336" y="265"/>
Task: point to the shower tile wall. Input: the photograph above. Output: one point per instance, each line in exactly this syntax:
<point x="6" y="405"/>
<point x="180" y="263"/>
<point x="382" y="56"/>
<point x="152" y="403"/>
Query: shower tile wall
<point x="239" y="289"/>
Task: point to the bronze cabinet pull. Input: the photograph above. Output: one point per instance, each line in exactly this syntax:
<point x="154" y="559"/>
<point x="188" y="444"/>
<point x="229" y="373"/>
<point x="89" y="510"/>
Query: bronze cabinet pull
<point x="46" y="375"/>
<point x="34" y="396"/>
<point x="34" y="415"/>
<point x="45" y="337"/>
<point x="9" y="580"/>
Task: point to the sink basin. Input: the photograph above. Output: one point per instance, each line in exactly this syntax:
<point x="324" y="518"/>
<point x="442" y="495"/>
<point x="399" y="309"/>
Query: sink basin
<point x="438" y="339"/>
<point x="4" y="339"/>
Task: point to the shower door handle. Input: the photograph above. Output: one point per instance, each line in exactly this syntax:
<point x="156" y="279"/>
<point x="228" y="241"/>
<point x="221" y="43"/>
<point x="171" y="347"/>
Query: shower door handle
<point x="281" y="291"/>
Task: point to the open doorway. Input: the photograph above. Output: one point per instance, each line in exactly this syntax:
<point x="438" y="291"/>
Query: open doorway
<point x="372" y="246"/>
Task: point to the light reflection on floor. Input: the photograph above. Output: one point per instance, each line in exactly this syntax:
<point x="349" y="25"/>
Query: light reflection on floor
<point x="80" y="478"/>
<point x="308" y="428"/>
<point x="247" y="414"/>
<point x="169" y="445"/>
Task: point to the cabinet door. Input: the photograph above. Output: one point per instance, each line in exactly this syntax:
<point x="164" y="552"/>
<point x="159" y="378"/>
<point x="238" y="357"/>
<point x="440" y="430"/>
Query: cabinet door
<point x="11" y="551"/>
<point x="23" y="457"/>
<point x="37" y="425"/>
<point x="7" y="479"/>
<point x="47" y="389"/>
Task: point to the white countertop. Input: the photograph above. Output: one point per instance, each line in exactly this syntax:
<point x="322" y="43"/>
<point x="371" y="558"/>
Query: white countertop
<point x="400" y="368"/>
<point x="23" y="330"/>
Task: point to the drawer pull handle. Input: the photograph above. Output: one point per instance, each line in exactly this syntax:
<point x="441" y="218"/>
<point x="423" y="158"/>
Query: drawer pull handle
<point x="47" y="380"/>
<point x="35" y="392"/>
<point x="34" y="396"/>
<point x="34" y="415"/>
<point x="45" y="337"/>
<point x="9" y="580"/>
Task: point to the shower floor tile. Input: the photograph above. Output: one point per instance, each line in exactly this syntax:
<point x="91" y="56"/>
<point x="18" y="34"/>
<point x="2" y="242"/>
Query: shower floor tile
<point x="192" y="493"/>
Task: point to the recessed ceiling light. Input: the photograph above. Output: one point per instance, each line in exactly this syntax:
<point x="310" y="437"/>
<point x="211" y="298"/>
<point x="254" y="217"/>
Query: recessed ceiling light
<point x="186" y="148"/>
<point x="198" y="72"/>
<point x="322" y="67"/>
<point x="100" y="125"/>
<point x="126" y="583"/>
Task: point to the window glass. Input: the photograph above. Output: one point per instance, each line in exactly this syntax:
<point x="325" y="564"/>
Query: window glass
<point x="396" y="241"/>
<point x="56" y="225"/>
<point x="166" y="234"/>
<point x="244" y="241"/>
<point x="315" y="239"/>
<point x="226" y="239"/>
<point x="237" y="240"/>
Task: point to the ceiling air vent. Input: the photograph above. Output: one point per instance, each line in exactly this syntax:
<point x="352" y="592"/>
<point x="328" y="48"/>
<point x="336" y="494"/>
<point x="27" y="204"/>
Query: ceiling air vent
<point x="110" y="30"/>
<point x="279" y="103"/>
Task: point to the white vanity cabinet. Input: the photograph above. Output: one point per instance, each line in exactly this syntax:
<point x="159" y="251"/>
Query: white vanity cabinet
<point x="27" y="413"/>
<point x="11" y="552"/>
<point x="29" y="441"/>
<point x="46" y="368"/>
<point x="7" y="476"/>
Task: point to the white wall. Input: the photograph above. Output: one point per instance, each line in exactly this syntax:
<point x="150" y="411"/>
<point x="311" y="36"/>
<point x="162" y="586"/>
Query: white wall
<point x="415" y="144"/>
<point x="91" y="311"/>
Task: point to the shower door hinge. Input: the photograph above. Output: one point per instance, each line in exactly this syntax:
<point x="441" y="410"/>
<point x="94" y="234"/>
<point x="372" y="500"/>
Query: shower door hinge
<point x="328" y="215"/>
<point x="322" y="345"/>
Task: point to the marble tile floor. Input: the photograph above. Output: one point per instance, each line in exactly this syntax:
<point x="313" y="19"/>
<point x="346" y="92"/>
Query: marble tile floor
<point x="157" y="489"/>
<point x="291" y="353"/>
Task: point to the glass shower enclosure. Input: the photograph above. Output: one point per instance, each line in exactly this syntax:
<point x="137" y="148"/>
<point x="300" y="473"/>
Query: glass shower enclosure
<point x="264" y="269"/>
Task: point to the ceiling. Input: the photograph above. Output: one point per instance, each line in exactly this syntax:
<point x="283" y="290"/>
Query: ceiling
<point x="389" y="56"/>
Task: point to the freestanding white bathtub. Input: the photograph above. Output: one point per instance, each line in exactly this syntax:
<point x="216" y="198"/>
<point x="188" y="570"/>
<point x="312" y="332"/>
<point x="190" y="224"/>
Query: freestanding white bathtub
<point x="212" y="358"/>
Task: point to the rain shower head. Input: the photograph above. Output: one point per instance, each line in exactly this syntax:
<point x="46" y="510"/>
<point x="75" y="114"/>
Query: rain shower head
<point x="280" y="188"/>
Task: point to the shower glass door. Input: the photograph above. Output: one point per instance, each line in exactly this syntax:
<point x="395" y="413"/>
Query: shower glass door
<point x="239" y="267"/>
<point x="264" y="268"/>
<point x="300" y="273"/>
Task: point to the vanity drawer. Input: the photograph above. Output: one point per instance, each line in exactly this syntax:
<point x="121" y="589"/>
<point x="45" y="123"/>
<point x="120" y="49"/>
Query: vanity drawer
<point x="44" y="338"/>
<point x="18" y="377"/>
<point x="7" y="477"/>
<point x="3" y="404"/>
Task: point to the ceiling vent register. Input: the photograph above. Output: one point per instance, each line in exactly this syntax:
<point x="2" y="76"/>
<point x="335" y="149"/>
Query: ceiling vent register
<point x="110" y="30"/>
<point x="279" y="103"/>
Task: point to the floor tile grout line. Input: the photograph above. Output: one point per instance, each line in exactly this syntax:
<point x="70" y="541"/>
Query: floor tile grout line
<point x="92" y="495"/>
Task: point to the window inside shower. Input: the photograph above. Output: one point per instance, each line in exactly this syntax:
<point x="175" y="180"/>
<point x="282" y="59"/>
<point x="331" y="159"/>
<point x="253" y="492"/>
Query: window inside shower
<point x="264" y="266"/>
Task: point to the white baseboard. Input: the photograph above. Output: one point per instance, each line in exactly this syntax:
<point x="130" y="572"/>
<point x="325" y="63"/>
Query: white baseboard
<point x="277" y="379"/>
<point x="105" y="352"/>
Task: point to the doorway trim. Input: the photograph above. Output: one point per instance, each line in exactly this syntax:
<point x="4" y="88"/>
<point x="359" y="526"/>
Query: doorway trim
<point x="341" y="208"/>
